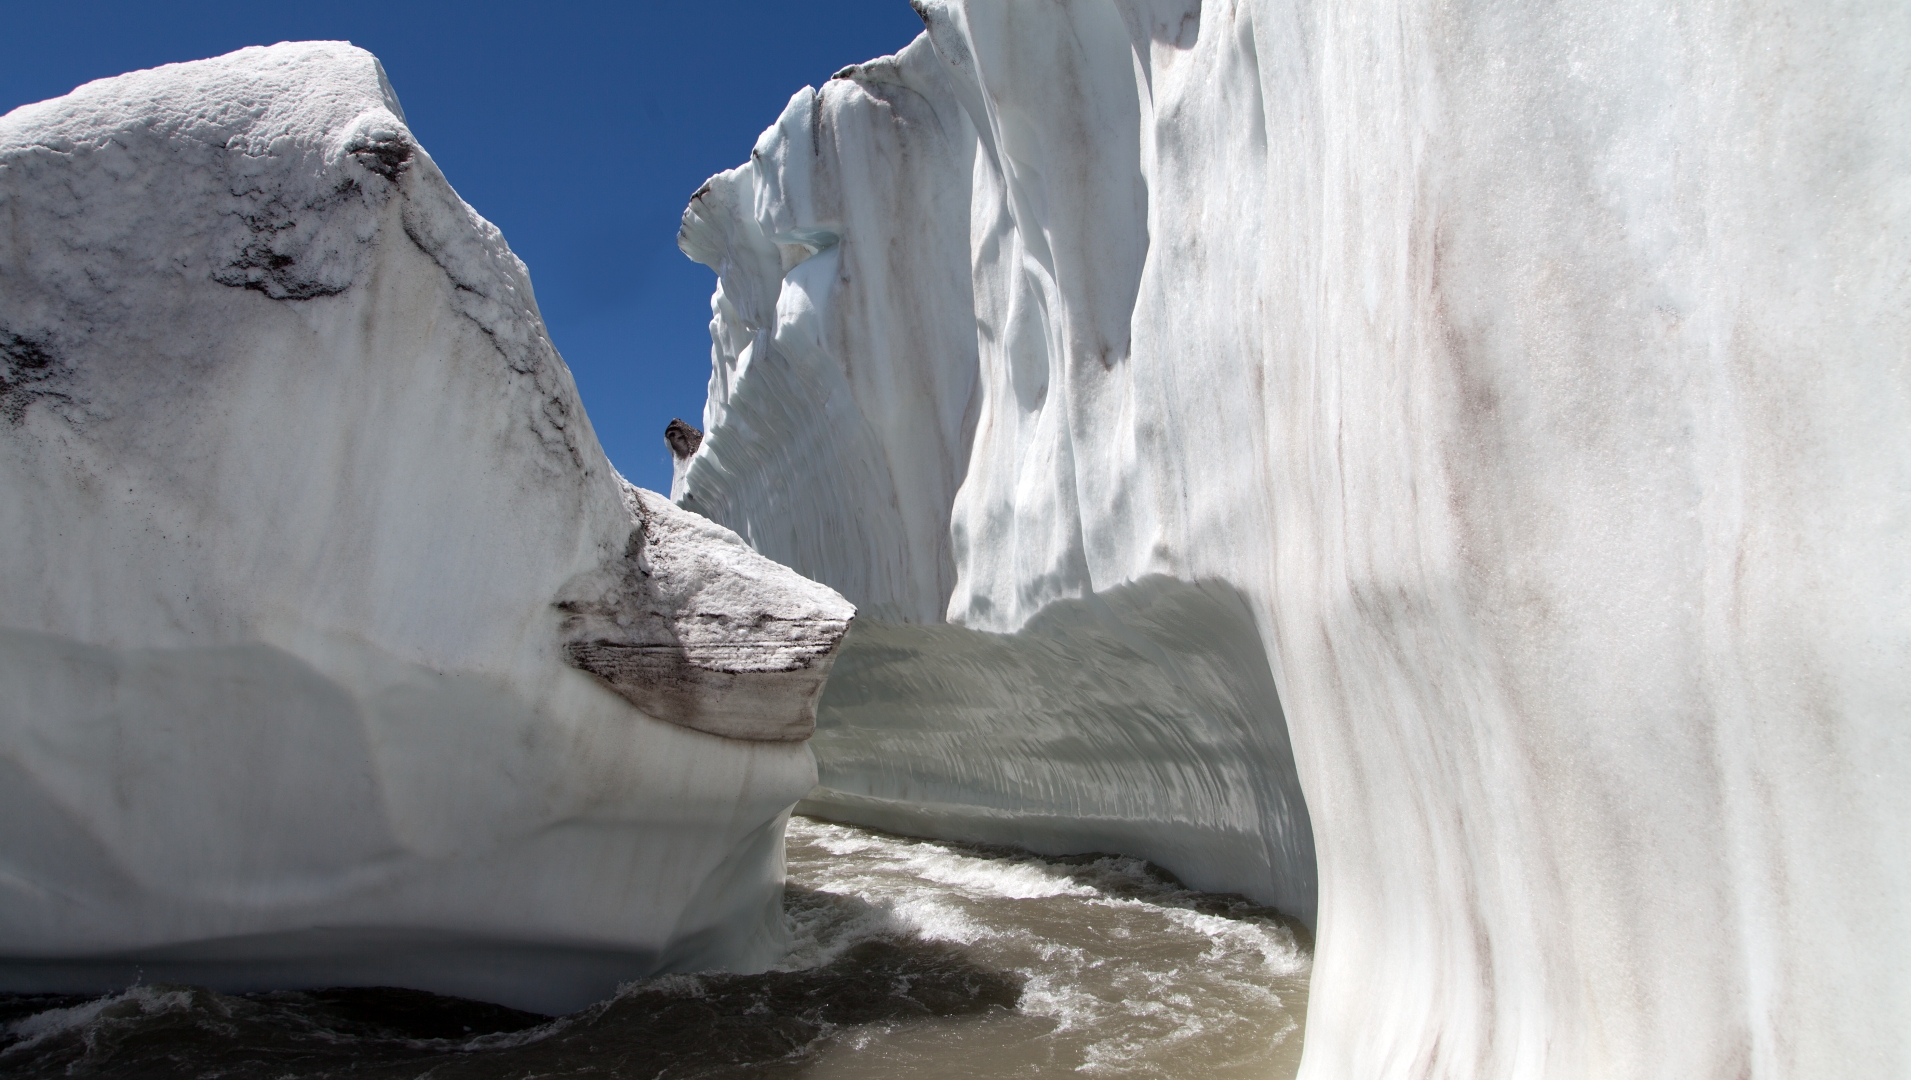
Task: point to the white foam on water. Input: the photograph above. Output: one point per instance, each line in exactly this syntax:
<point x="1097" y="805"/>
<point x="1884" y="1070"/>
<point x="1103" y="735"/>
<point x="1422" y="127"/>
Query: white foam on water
<point x="1121" y="973"/>
<point x="971" y="874"/>
<point x="136" y="1001"/>
<point x="1233" y="941"/>
<point x="1125" y="972"/>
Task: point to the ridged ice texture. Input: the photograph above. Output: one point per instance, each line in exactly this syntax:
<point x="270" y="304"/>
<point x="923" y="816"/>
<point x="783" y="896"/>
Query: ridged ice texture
<point x="295" y="484"/>
<point x="842" y="468"/>
<point x="841" y="247"/>
<point x="1539" y="376"/>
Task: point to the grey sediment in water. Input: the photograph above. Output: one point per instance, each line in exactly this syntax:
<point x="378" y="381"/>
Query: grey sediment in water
<point x="909" y="958"/>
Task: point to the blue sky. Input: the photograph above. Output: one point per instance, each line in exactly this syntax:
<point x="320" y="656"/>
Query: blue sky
<point x="580" y="129"/>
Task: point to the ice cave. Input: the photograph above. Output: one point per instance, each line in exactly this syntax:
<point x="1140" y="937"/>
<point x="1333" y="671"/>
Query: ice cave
<point x="1421" y="480"/>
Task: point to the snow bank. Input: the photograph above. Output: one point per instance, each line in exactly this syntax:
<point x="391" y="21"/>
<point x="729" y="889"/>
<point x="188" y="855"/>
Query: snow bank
<point x="1537" y="382"/>
<point x="323" y="615"/>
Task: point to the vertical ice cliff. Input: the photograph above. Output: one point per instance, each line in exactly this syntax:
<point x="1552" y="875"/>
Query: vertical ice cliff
<point x="1527" y="390"/>
<point x="332" y="650"/>
<point x="855" y="337"/>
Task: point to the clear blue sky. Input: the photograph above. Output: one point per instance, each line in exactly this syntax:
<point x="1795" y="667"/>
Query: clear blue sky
<point x="580" y="129"/>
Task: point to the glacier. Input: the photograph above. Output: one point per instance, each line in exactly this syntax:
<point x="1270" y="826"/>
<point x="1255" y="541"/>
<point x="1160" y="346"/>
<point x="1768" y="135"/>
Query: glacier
<point x="1442" y="469"/>
<point x="333" y="649"/>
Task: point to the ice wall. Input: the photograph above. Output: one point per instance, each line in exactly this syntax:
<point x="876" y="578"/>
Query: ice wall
<point x="846" y="468"/>
<point x="332" y="650"/>
<point x="1538" y="379"/>
<point x="851" y="350"/>
<point x="1141" y="719"/>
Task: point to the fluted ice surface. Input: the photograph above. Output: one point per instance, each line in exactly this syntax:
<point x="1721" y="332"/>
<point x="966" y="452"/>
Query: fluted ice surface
<point x="332" y="650"/>
<point x="1537" y="381"/>
<point x="843" y="247"/>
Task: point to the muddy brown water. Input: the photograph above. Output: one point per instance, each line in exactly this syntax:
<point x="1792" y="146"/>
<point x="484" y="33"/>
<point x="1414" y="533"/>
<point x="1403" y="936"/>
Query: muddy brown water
<point x="909" y="958"/>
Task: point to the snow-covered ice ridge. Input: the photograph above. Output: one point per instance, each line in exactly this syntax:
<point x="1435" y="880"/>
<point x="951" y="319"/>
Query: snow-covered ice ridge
<point x="332" y="649"/>
<point x="1527" y="388"/>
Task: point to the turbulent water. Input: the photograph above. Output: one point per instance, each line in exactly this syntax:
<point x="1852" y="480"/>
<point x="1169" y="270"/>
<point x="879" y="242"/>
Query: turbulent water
<point x="909" y="958"/>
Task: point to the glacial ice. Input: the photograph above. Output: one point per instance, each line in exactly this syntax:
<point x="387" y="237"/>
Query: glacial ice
<point x="333" y="649"/>
<point x="1142" y="719"/>
<point x="1527" y="386"/>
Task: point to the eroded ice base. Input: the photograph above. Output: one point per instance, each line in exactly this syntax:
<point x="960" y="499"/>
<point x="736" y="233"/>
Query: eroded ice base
<point x="1141" y="720"/>
<point x="402" y="827"/>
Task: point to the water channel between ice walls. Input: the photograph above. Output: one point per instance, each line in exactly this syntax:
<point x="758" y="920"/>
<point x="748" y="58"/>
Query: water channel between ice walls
<point x="352" y="707"/>
<point x="1437" y="469"/>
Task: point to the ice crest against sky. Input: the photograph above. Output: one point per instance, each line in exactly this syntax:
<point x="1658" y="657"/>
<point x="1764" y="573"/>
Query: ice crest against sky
<point x="578" y="129"/>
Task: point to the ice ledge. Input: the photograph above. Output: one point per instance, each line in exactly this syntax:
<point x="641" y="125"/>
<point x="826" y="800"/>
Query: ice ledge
<point x="694" y="627"/>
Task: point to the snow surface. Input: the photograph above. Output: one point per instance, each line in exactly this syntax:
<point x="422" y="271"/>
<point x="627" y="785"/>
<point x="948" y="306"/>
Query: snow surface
<point x="307" y="540"/>
<point x="1538" y="382"/>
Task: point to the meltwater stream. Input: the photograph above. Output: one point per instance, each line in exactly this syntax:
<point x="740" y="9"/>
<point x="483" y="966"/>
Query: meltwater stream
<point x="910" y="958"/>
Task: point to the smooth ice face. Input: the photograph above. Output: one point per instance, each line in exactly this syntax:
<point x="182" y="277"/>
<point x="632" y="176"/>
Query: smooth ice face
<point x="1537" y="381"/>
<point x="1142" y="720"/>
<point x="313" y="569"/>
